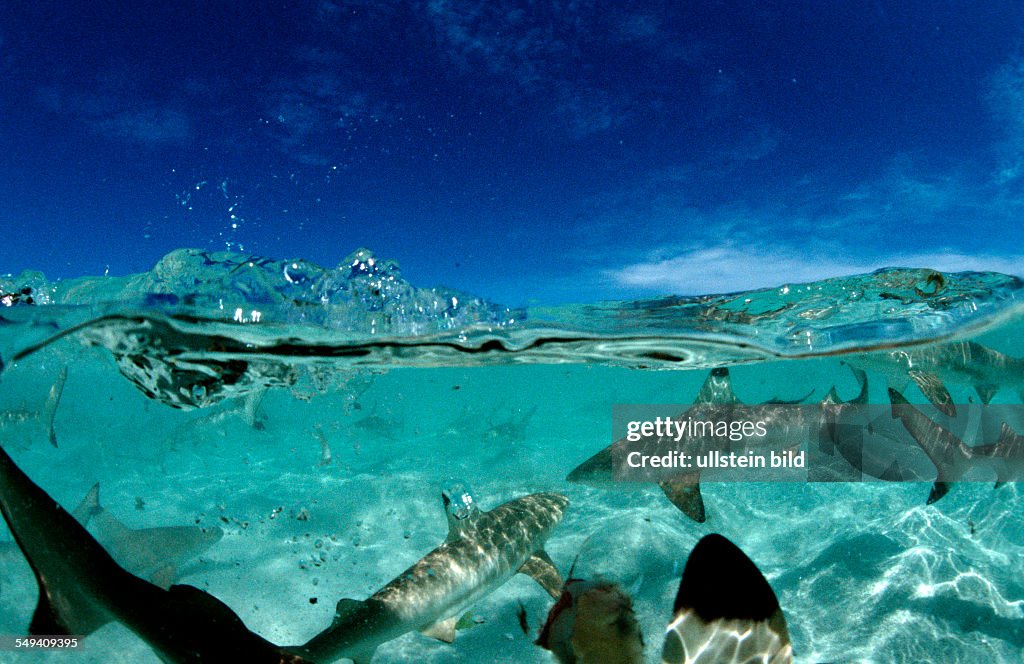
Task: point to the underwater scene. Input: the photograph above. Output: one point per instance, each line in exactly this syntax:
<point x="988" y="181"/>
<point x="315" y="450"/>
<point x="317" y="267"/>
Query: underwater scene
<point x="496" y="331"/>
<point x="284" y="437"/>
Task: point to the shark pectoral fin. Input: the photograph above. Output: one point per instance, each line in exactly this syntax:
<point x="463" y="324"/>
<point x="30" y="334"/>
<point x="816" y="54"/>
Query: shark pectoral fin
<point x="685" y="494"/>
<point x="931" y="386"/>
<point x="89" y="507"/>
<point x="442" y="630"/>
<point x="164" y="576"/>
<point x="540" y="568"/>
<point x="939" y="489"/>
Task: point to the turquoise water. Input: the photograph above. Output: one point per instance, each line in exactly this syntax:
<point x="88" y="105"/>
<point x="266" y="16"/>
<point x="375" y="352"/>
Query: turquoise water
<point x="205" y="392"/>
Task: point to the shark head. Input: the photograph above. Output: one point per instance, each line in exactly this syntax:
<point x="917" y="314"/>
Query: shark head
<point x="459" y="505"/>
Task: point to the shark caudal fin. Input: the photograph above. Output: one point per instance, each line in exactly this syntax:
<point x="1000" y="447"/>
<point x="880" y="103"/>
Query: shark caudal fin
<point x="725" y="611"/>
<point x="66" y="560"/>
<point x="345" y="636"/>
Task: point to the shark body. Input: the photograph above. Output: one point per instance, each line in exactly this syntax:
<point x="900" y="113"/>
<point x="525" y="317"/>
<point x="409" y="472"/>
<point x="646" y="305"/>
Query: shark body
<point x="46" y="415"/>
<point x="154" y="553"/>
<point x="786" y="426"/>
<point x="952" y="457"/>
<point x="82" y="588"/>
<point x="483" y="550"/>
<point x="961" y="362"/>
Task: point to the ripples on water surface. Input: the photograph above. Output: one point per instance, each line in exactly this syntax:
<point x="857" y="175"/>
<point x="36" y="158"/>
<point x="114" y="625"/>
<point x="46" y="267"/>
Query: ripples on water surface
<point x="241" y="371"/>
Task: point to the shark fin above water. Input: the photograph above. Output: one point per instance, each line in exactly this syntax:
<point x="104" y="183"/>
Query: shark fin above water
<point x="725" y="611"/>
<point x="81" y="587"/>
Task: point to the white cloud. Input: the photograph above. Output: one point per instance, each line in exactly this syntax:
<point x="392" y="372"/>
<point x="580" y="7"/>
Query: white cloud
<point x="728" y="267"/>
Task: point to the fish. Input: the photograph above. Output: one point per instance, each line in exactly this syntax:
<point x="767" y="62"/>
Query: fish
<point x="82" y="588"/>
<point x="787" y="426"/>
<point x="952" y="457"/>
<point x="592" y="623"/>
<point x="483" y="550"/>
<point x="48" y="413"/>
<point x="870" y="443"/>
<point x="725" y="611"/>
<point x="155" y="554"/>
<point x="932" y="367"/>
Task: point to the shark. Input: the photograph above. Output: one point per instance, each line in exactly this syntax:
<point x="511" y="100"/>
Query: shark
<point x="952" y="457"/>
<point x="787" y="427"/>
<point x="932" y="367"/>
<point x="154" y="553"/>
<point x="725" y="611"/>
<point x="870" y="443"/>
<point x="46" y="415"/>
<point x="483" y="550"/>
<point x="82" y="588"/>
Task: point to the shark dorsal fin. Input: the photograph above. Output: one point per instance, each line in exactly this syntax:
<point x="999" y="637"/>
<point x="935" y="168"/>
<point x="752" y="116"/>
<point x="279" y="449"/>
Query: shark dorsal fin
<point x="717" y="388"/>
<point x="540" y="568"/>
<point x="89" y="507"/>
<point x="724" y="599"/>
<point x="720" y="581"/>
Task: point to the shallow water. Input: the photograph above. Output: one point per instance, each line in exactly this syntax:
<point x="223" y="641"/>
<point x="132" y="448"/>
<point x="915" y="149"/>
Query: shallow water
<point x="238" y="369"/>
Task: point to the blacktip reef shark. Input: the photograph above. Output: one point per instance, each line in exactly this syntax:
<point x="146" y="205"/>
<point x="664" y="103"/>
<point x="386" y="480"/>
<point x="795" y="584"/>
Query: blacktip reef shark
<point x="48" y="413"/>
<point x="931" y="367"/>
<point x="725" y="612"/>
<point x="155" y="554"/>
<point x="787" y="426"/>
<point x="870" y="443"/>
<point x="82" y="588"/>
<point x="952" y="457"/>
<point x="483" y="550"/>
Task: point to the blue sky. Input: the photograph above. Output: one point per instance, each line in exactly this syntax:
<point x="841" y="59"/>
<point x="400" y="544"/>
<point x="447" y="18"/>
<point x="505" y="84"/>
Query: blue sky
<point x="545" y="152"/>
